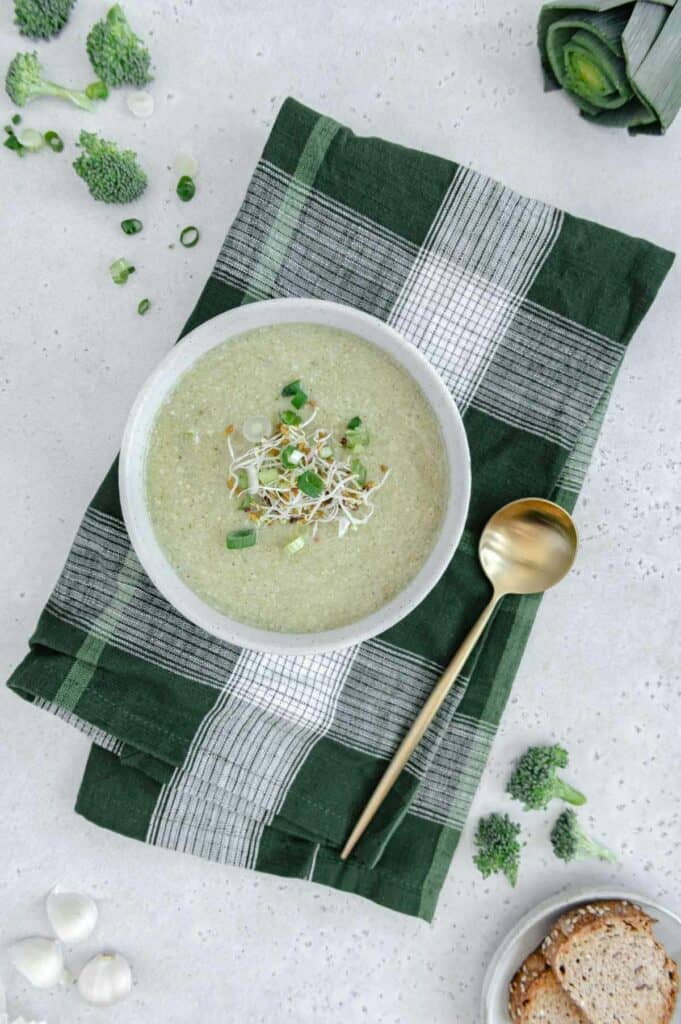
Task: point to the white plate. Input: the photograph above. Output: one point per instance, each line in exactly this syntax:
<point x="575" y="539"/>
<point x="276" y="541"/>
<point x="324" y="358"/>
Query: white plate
<point x="221" y="329"/>
<point x="531" y="929"/>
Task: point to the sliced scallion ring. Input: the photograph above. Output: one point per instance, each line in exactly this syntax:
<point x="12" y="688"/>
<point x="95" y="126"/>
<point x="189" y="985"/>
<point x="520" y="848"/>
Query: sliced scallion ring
<point x="31" y="140"/>
<point x="97" y="91"/>
<point x="131" y="226"/>
<point x="294" y="545"/>
<point x="299" y="399"/>
<point x="186" y="189"/>
<point x="290" y="418"/>
<point x="121" y="271"/>
<point x="359" y="471"/>
<point x="189" y="237"/>
<point x="16" y="118"/>
<point x="311" y="484"/>
<point x="143" y="306"/>
<point x="238" y="539"/>
<point x="291" y="456"/>
<point x="54" y="141"/>
<point x="268" y="476"/>
<point x="291" y="389"/>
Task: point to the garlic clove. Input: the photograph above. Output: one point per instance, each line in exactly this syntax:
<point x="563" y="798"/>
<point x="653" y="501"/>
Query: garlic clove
<point x="105" y="980"/>
<point x="41" y="961"/>
<point x="73" y="917"/>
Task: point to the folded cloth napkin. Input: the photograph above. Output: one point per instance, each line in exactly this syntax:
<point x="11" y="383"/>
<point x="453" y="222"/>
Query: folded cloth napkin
<point x="263" y="761"/>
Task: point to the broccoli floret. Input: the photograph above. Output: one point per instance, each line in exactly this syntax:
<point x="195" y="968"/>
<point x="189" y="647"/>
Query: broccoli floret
<point x="570" y="841"/>
<point x="112" y="175"/>
<point x="118" y="55"/>
<point x="496" y="838"/>
<point x="42" y="19"/>
<point x="534" y="780"/>
<point x="24" y="82"/>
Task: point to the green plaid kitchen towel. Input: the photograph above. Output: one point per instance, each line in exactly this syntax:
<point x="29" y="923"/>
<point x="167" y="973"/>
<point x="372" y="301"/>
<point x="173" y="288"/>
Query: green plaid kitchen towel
<point x="263" y="761"/>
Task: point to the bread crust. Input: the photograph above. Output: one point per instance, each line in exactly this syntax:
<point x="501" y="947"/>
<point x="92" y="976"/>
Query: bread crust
<point x="590" y="918"/>
<point x="530" y="985"/>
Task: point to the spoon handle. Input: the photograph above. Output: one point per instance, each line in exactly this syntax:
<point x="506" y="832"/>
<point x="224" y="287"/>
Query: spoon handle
<point x="419" y="726"/>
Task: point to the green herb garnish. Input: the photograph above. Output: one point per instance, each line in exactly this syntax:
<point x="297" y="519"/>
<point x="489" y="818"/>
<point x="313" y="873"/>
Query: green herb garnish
<point x="291" y="389"/>
<point x="16" y="119"/>
<point x="237" y="539"/>
<point x="299" y="399"/>
<point x="359" y="471"/>
<point x="356" y="434"/>
<point x="186" y="189"/>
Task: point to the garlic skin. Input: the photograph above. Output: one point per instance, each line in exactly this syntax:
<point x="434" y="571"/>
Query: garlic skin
<point x="105" y="980"/>
<point x="73" y="917"/>
<point x="40" y="961"/>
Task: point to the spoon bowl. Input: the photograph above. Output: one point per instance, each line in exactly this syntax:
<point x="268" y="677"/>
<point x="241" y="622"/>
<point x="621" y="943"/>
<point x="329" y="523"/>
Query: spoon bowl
<point x="527" y="546"/>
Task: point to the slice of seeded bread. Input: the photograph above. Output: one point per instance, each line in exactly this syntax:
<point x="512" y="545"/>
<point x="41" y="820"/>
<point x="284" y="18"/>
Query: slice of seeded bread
<point x="535" y="997"/>
<point x="607" y="959"/>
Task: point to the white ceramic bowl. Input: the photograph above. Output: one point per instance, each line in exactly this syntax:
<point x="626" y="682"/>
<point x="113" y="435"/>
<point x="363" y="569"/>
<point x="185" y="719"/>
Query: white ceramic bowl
<point x="526" y="935"/>
<point x="134" y="449"/>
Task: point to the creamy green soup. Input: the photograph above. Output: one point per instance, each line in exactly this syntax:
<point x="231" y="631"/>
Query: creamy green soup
<point x="335" y="572"/>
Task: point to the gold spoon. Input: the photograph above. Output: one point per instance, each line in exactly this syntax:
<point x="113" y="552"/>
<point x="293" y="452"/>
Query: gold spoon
<point x="525" y="548"/>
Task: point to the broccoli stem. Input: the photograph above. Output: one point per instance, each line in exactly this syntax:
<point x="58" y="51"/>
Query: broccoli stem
<point x="79" y="98"/>
<point x="589" y="848"/>
<point x="564" y="791"/>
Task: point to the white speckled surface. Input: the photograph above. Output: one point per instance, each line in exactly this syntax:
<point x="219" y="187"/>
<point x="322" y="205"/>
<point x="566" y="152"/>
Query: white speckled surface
<point x="602" y="668"/>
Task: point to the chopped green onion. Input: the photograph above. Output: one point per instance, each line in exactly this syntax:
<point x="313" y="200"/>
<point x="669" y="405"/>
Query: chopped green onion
<point x="189" y="237"/>
<point x="290" y="418"/>
<point x="131" y="226"/>
<point x="268" y="476"/>
<point x="326" y="452"/>
<point x="97" y="91"/>
<point x="299" y="399"/>
<point x="143" y="307"/>
<point x="186" y="189"/>
<point x="357" y="437"/>
<point x="359" y="470"/>
<point x="291" y="456"/>
<point x="242" y="480"/>
<point x="16" y="119"/>
<point x="54" y="141"/>
<point x="294" y="545"/>
<point x="12" y="142"/>
<point x="31" y="139"/>
<point x="121" y="271"/>
<point x="311" y="484"/>
<point x="245" y="501"/>
<point x="291" y="389"/>
<point x="241" y="539"/>
<point x="354" y="423"/>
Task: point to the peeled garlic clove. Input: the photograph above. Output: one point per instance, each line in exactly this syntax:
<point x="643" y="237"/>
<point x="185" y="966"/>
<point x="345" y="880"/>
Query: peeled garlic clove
<point x="105" y="980"/>
<point x="41" y="961"/>
<point x="141" y="104"/>
<point x="72" y="916"/>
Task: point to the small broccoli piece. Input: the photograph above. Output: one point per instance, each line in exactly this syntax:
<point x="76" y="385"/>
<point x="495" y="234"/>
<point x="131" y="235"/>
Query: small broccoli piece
<point x="496" y="838"/>
<point x="42" y="19"/>
<point x="118" y="55"/>
<point x="534" y="781"/>
<point x="24" y="82"/>
<point x="570" y="841"/>
<point x="112" y="175"/>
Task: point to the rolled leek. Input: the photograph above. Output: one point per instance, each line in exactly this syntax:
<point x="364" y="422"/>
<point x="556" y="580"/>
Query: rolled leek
<point x="619" y="62"/>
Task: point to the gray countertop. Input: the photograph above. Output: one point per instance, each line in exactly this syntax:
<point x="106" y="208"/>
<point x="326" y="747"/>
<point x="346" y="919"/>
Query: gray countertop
<point x="601" y="672"/>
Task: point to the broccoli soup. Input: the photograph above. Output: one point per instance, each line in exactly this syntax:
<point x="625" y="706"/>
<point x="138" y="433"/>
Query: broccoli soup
<point x="296" y="478"/>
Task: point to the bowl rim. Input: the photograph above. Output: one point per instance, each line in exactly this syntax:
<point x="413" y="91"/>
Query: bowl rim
<point x="553" y="906"/>
<point x="223" y="328"/>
